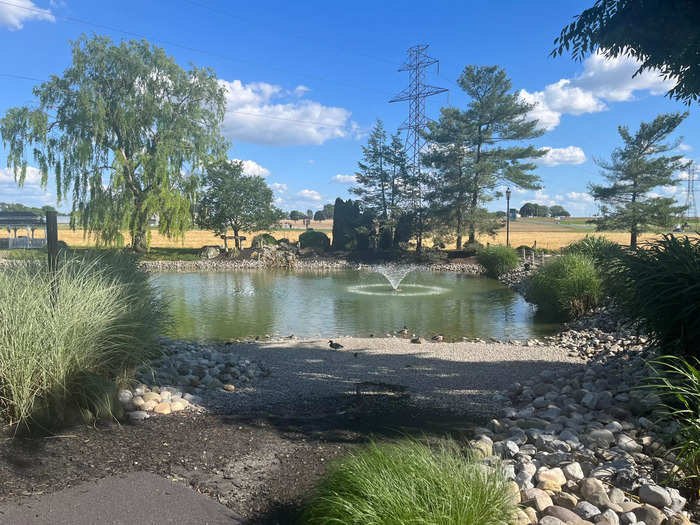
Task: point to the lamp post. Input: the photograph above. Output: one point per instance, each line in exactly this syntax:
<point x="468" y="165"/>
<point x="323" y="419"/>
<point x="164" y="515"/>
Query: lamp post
<point x="508" y="217"/>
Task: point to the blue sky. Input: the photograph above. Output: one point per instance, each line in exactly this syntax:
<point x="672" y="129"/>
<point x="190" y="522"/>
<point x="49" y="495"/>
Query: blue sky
<point x="306" y="80"/>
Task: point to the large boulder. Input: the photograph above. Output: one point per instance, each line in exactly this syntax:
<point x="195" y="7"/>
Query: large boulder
<point x="209" y="252"/>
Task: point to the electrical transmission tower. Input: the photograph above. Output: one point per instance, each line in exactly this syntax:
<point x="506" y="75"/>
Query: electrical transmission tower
<point x="416" y="93"/>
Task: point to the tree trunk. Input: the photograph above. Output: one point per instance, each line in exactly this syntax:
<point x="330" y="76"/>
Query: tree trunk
<point x="633" y="238"/>
<point x="139" y="233"/>
<point x="236" y="240"/>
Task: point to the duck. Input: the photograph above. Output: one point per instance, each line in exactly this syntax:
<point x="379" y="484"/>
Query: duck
<point x="438" y="338"/>
<point x="334" y="346"/>
<point x="416" y="341"/>
<point x="404" y="331"/>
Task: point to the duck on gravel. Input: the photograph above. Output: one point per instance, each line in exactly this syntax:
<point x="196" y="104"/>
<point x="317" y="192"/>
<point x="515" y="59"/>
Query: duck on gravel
<point x="334" y="346"/>
<point x="438" y="338"/>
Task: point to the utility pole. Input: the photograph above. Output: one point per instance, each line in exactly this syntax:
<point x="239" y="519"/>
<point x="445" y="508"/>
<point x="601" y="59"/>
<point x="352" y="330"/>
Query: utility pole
<point x="416" y="93"/>
<point x="691" y="209"/>
<point x="508" y="217"/>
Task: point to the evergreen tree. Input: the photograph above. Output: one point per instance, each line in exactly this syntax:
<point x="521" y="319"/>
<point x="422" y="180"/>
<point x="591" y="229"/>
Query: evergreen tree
<point x="121" y="129"/>
<point x="469" y="152"/>
<point x="382" y="178"/>
<point x="633" y="171"/>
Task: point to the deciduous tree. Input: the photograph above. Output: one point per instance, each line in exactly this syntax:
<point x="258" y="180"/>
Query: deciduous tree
<point x="123" y="128"/>
<point x="232" y="200"/>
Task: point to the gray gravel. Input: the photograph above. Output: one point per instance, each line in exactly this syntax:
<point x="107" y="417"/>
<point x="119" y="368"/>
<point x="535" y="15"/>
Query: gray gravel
<point x="465" y="377"/>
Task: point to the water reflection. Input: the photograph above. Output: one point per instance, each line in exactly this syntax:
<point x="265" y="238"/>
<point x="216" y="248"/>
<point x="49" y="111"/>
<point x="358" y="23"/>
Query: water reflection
<point x="215" y="306"/>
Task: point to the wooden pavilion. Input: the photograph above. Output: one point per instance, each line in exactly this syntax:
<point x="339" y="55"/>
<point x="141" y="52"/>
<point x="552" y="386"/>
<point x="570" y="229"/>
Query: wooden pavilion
<point x="28" y="221"/>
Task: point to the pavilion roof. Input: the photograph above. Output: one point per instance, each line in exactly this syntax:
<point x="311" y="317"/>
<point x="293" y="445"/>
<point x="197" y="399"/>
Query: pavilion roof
<point x="20" y="218"/>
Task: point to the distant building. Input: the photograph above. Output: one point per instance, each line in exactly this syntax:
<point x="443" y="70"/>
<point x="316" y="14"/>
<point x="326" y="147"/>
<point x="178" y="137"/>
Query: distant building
<point x="18" y="221"/>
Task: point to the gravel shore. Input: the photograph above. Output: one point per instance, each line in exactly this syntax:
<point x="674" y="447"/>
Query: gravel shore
<point x="462" y="377"/>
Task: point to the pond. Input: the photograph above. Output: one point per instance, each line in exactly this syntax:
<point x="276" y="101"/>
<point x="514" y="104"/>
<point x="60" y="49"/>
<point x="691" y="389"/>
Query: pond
<point x="243" y="304"/>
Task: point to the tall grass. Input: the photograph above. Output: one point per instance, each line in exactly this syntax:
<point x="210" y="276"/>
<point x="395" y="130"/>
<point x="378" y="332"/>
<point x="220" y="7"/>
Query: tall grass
<point x="60" y="358"/>
<point x="410" y="482"/>
<point x="677" y="381"/>
<point x="498" y="260"/>
<point x="660" y="285"/>
<point x="595" y="247"/>
<point x="567" y="287"/>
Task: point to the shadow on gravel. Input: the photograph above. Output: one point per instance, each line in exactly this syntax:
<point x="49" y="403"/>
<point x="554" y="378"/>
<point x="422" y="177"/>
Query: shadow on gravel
<point x="260" y="451"/>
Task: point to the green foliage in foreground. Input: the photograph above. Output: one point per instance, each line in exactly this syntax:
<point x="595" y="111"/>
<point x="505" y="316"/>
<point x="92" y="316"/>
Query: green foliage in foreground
<point x="314" y="239"/>
<point x="596" y="247"/>
<point x="410" y="482"/>
<point x="498" y="260"/>
<point x="58" y="363"/>
<point x="660" y="286"/>
<point x="678" y="383"/>
<point x="567" y="287"/>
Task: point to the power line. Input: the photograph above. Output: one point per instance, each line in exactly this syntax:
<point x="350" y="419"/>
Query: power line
<point x="188" y="48"/>
<point x="257" y="115"/>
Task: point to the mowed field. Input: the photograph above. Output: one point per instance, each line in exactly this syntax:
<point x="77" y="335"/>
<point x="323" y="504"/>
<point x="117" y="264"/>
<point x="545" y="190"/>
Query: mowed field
<point x="545" y="233"/>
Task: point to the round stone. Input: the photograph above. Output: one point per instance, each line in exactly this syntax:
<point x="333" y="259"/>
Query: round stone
<point x="162" y="408"/>
<point x="138" y="415"/>
<point x="229" y="387"/>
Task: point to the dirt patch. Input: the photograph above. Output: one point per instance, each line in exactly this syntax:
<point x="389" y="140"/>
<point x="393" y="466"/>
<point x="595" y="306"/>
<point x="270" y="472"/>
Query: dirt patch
<point x="260" y="464"/>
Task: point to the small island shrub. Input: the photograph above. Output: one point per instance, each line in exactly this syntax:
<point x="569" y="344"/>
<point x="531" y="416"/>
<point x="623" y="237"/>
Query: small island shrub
<point x="498" y="260"/>
<point x="659" y="285"/>
<point x="263" y="239"/>
<point x="472" y="248"/>
<point x="567" y="287"/>
<point x="64" y="344"/>
<point x="410" y="482"/>
<point x="314" y="239"/>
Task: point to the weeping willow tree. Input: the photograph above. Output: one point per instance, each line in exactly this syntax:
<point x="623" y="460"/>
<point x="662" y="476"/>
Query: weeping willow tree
<point x="124" y="130"/>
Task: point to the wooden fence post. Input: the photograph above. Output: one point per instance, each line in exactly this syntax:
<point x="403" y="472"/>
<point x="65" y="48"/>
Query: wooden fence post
<point x="52" y="247"/>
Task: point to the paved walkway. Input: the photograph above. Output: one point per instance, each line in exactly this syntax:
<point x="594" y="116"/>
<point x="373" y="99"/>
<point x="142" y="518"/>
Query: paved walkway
<point x="136" y="498"/>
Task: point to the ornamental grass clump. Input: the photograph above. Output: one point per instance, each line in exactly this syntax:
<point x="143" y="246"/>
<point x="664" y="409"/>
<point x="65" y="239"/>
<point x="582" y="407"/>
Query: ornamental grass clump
<point x="567" y="287"/>
<point x="677" y="381"/>
<point x="64" y="344"/>
<point x="410" y="482"/>
<point x="498" y="260"/>
<point x="659" y="285"/>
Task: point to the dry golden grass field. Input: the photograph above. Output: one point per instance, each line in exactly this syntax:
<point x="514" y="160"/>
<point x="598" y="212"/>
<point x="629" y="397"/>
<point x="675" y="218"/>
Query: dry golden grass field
<point x="546" y="234"/>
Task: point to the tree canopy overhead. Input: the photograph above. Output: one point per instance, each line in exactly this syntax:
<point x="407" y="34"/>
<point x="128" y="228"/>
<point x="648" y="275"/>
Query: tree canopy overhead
<point x="123" y="129"/>
<point x="633" y="171"/>
<point x="661" y="34"/>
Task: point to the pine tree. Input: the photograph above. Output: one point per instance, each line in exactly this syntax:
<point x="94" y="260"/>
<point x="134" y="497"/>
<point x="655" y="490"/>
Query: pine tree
<point x="633" y="171"/>
<point x="468" y="154"/>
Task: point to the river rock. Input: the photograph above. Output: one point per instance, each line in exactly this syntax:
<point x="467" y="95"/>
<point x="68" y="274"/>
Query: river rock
<point x="649" y="515"/>
<point x="654" y="495"/>
<point x="162" y="408"/>
<point x="535" y="498"/>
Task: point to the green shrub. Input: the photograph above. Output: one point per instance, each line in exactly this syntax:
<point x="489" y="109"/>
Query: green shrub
<point x="472" y="248"/>
<point x="677" y="381"/>
<point x="596" y="247"/>
<point x="314" y="239"/>
<point x="660" y="285"/>
<point x="567" y="287"/>
<point x="410" y="482"/>
<point x="263" y="239"/>
<point x="498" y="260"/>
<point x="60" y="360"/>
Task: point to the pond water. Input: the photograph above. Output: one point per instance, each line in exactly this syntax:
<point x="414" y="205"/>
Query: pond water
<point x="242" y="304"/>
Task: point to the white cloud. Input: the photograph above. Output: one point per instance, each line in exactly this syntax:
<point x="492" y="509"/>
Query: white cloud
<point x="278" y="187"/>
<point x="543" y="198"/>
<point x="33" y="176"/>
<point x="602" y="80"/>
<point x="30" y="194"/>
<point x="14" y="14"/>
<point x="258" y="113"/>
<point x="252" y="169"/>
<point x="344" y="179"/>
<point x="685" y="147"/>
<point x="580" y="196"/>
<point x="301" y="90"/>
<point x="571" y="155"/>
<point x="311" y="195"/>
